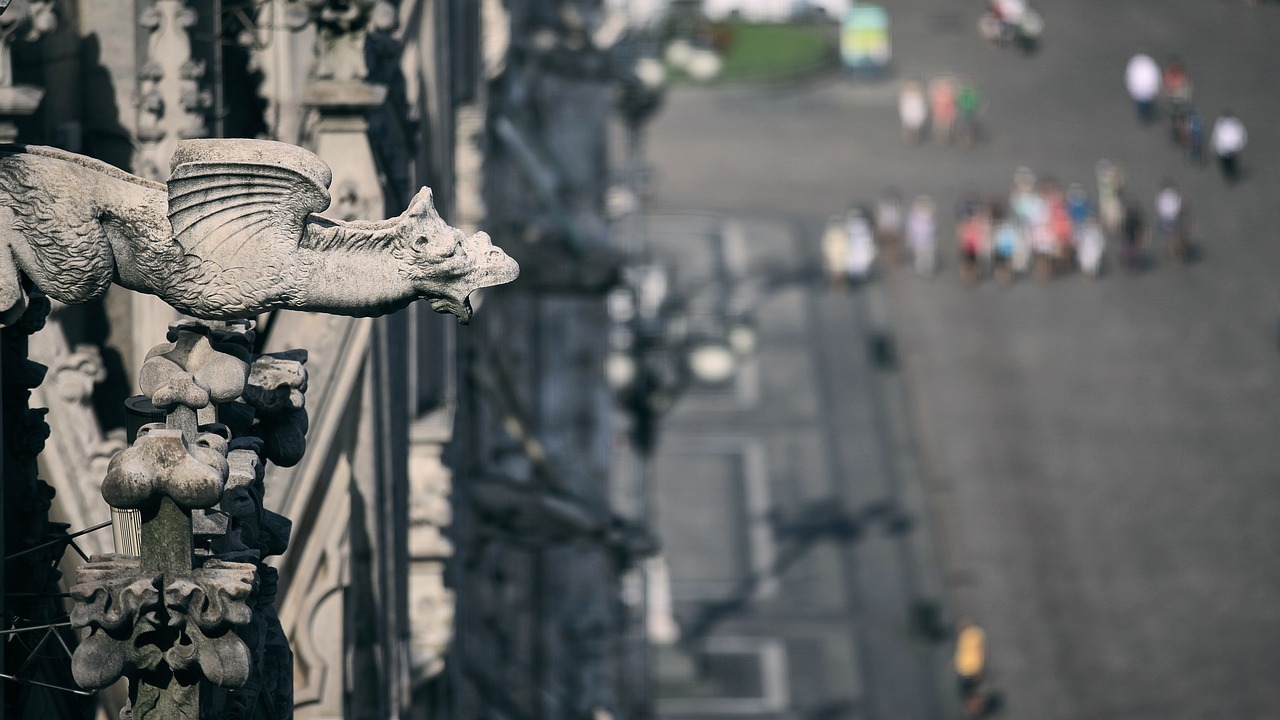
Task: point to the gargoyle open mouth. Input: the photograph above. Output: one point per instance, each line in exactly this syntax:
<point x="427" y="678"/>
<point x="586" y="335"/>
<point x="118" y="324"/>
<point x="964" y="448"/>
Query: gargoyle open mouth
<point x="449" y="305"/>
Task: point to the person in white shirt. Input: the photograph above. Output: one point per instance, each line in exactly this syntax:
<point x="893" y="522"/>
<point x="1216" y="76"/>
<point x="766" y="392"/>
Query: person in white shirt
<point x="1142" y="80"/>
<point x="862" y="246"/>
<point x="1090" y="245"/>
<point x="1171" y="218"/>
<point x="1168" y="207"/>
<point x="921" y="235"/>
<point x="913" y="110"/>
<point x="1228" y="139"/>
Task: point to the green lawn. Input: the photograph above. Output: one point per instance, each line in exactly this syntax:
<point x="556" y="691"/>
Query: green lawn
<point x="777" y="51"/>
<point x="774" y="52"/>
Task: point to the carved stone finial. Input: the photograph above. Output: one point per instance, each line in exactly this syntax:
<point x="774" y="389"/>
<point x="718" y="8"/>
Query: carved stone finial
<point x="176" y="618"/>
<point x="231" y="235"/>
<point x="342" y="27"/>
<point x="189" y="371"/>
<point x="161" y="463"/>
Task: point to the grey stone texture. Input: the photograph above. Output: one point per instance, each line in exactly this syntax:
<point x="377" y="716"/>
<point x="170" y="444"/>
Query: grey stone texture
<point x="188" y="614"/>
<point x="234" y="237"/>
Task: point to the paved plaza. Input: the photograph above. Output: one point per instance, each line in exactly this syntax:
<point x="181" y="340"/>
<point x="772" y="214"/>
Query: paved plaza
<point x="1087" y="468"/>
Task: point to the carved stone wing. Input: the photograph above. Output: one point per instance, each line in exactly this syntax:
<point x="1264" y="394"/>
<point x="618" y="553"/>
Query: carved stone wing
<point x="239" y="203"/>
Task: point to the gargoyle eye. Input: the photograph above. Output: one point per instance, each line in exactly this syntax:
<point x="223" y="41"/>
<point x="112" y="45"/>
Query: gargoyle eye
<point x="421" y="242"/>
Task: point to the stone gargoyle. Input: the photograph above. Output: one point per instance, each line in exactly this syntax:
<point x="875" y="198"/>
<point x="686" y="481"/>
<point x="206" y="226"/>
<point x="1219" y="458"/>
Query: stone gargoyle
<point x="232" y="234"/>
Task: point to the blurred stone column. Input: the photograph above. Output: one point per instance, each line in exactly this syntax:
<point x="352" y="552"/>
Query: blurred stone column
<point x="25" y="20"/>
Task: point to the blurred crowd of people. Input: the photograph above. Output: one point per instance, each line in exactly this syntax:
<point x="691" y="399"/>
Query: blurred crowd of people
<point x="1149" y="83"/>
<point x="1042" y="228"/>
<point x="946" y="109"/>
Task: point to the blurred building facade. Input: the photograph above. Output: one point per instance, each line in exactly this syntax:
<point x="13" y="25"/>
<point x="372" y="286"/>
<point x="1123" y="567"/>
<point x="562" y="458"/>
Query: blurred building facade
<point x="454" y="553"/>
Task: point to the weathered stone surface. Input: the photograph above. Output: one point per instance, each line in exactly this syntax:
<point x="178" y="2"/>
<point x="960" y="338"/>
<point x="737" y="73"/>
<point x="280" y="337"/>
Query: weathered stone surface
<point x="161" y="463"/>
<point x="170" y="102"/>
<point x="342" y="29"/>
<point x="177" y="619"/>
<point x="118" y="603"/>
<point x="231" y="235"/>
<point x="277" y="392"/>
<point x="204" y="607"/>
<point x="252" y="534"/>
<point x="135" y="625"/>
<point x="190" y="372"/>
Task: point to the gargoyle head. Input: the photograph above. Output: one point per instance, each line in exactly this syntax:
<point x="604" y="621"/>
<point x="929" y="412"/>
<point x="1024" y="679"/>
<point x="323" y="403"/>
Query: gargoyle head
<point x="444" y="264"/>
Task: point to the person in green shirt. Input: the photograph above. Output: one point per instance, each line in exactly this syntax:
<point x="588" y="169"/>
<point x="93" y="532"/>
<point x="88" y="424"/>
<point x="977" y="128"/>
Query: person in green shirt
<point x="968" y="113"/>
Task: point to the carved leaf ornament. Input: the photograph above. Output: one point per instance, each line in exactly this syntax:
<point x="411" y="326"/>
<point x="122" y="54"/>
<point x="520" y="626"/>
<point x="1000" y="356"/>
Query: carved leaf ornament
<point x="121" y="607"/>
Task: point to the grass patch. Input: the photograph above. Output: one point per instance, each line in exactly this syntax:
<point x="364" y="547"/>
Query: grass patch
<point x="761" y="52"/>
<point x="776" y="51"/>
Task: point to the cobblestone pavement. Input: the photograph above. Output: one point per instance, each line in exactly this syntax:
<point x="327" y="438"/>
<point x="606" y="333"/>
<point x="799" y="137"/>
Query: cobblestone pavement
<point x="790" y="501"/>
<point x="1089" y="464"/>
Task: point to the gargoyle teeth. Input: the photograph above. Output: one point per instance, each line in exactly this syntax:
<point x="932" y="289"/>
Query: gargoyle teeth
<point x="448" y="305"/>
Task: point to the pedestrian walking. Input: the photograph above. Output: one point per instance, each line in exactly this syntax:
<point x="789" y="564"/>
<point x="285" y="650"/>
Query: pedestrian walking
<point x="1194" y="128"/>
<point x="1090" y="246"/>
<point x="968" y="115"/>
<point x="942" y="107"/>
<point x="1133" y="233"/>
<point x="970" y="663"/>
<point x="835" y="248"/>
<point x="889" y="219"/>
<point x="972" y="238"/>
<point x="1168" y="207"/>
<point x="1228" y="139"/>
<point x="861" y="252"/>
<point x="1026" y="206"/>
<point x="1175" y="83"/>
<point x="1004" y="243"/>
<point x="1040" y="220"/>
<point x="1110" y="178"/>
<point x="921" y="235"/>
<point x="1078" y="207"/>
<point x="913" y="111"/>
<point x="1142" y="80"/>
<point x="1062" y="229"/>
<point x="1171" y="219"/>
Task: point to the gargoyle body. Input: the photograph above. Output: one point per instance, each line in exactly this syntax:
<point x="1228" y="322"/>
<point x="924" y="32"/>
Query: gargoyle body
<point x="231" y="235"/>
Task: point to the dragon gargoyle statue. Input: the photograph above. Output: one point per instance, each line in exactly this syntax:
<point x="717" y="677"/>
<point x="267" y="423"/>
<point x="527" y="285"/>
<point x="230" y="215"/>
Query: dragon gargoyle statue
<point x="232" y="234"/>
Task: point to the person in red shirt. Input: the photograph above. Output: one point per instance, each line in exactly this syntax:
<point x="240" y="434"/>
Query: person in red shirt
<point x="942" y="102"/>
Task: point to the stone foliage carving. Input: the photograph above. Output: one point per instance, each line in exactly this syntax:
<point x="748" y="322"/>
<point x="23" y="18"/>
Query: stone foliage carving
<point x="232" y="235"/>
<point x="253" y="534"/>
<point x="118" y="604"/>
<point x="206" y="615"/>
<point x="127" y="610"/>
<point x="277" y="392"/>
<point x="189" y="371"/>
<point x="160" y="462"/>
